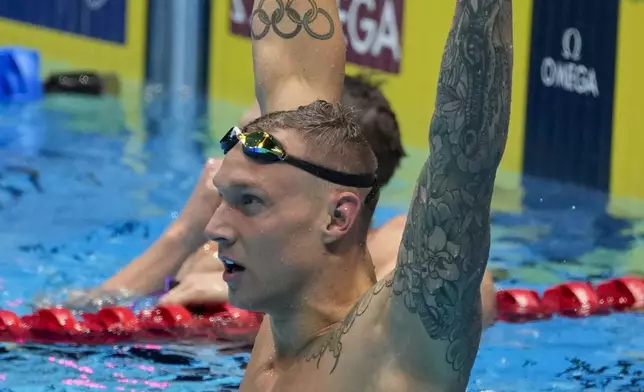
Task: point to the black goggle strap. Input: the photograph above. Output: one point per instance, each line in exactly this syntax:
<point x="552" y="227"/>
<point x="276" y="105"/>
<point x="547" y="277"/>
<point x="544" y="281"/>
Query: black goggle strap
<point x="372" y="194"/>
<point x="334" y="176"/>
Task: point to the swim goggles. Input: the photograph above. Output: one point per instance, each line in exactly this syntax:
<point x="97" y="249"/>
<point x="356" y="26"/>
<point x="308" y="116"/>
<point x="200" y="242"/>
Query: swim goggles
<point x="263" y="147"/>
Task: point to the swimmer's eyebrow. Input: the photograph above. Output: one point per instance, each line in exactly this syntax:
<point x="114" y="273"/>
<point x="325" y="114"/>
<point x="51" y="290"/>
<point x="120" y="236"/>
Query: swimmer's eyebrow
<point x="239" y="187"/>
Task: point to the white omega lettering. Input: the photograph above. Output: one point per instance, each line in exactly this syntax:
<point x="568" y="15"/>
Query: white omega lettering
<point x="368" y="25"/>
<point x="388" y="34"/>
<point x="379" y="34"/>
<point x="571" y="44"/>
<point x="568" y="75"/>
<point x="238" y="12"/>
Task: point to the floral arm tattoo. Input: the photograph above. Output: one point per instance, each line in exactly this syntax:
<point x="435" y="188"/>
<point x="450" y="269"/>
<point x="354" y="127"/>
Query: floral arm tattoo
<point x="446" y="241"/>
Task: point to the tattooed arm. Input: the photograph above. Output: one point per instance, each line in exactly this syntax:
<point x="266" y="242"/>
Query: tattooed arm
<point x="298" y="52"/>
<point x="435" y="307"/>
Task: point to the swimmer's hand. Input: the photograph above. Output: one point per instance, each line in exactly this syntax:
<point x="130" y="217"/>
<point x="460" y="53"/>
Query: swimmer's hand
<point x="198" y="289"/>
<point x="205" y="289"/>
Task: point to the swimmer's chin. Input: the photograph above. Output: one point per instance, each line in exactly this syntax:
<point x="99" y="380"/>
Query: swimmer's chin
<point x="242" y="303"/>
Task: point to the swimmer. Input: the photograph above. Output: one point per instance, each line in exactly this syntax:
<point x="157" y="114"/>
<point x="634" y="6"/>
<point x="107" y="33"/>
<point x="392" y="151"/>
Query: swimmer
<point x="168" y="254"/>
<point x="418" y="328"/>
<point x="200" y="276"/>
<point x="292" y="231"/>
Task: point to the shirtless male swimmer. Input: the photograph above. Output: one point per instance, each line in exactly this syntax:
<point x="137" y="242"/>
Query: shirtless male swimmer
<point x="292" y="235"/>
<point x="200" y="274"/>
<point x="306" y="264"/>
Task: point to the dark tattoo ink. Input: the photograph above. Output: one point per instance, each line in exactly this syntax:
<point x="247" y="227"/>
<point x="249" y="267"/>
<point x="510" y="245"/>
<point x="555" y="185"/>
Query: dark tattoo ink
<point x="300" y="22"/>
<point x="333" y="342"/>
<point x="445" y="245"/>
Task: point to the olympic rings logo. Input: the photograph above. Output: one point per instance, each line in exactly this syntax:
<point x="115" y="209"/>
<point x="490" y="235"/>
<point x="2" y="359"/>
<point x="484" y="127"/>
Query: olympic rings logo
<point x="300" y="22"/>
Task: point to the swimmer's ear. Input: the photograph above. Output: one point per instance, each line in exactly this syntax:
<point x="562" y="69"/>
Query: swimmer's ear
<point x="343" y="213"/>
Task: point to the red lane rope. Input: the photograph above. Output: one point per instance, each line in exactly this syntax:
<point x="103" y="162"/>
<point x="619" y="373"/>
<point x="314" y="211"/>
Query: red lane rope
<point x="571" y="299"/>
<point x="119" y="325"/>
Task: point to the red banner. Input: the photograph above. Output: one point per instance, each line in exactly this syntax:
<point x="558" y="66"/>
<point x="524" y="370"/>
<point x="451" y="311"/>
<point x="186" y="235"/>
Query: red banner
<point x="372" y="28"/>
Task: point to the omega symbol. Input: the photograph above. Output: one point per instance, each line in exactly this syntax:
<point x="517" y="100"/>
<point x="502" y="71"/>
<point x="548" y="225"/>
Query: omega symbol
<point x="571" y="44"/>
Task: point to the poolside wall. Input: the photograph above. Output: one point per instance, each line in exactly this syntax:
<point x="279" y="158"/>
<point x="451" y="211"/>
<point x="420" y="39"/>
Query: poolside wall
<point x="108" y="36"/>
<point x="561" y="128"/>
<point x="587" y="133"/>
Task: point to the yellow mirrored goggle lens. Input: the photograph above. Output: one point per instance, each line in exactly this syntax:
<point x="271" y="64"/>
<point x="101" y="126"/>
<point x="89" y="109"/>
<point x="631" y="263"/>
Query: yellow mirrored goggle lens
<point x="261" y="144"/>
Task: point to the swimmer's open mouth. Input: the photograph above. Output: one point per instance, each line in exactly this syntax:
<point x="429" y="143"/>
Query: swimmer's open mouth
<point x="231" y="266"/>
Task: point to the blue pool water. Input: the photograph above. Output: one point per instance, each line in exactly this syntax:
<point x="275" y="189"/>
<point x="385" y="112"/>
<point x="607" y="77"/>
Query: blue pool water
<point x="77" y="204"/>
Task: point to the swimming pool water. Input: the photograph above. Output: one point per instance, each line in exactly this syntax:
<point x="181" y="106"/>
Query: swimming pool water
<point x="77" y="204"/>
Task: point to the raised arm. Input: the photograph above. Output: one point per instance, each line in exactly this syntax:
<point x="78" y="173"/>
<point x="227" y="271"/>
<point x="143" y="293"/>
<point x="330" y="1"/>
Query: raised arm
<point x="445" y="246"/>
<point x="298" y="52"/>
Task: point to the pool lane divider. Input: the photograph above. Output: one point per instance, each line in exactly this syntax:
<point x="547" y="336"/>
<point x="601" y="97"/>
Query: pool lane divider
<point x="571" y="299"/>
<point x="120" y="325"/>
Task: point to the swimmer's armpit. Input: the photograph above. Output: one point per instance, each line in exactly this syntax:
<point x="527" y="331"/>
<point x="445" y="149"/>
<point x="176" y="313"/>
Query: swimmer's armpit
<point x="445" y="245"/>
<point x="298" y="52"/>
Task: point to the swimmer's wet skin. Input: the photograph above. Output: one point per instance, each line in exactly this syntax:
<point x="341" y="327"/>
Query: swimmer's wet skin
<point x="329" y="328"/>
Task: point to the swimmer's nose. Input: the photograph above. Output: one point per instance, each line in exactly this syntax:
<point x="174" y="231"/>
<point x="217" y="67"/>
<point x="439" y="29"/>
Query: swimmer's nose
<point x="222" y="241"/>
<point x="219" y="230"/>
